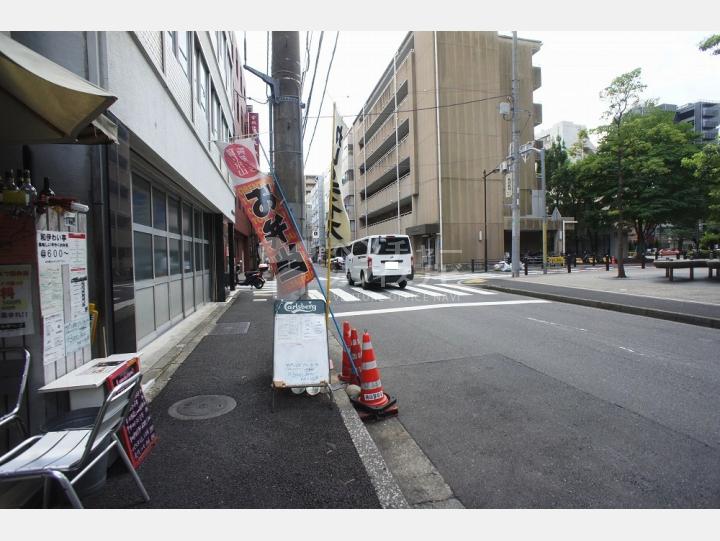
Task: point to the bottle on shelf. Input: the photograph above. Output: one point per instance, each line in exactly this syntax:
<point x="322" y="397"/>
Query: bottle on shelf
<point x="28" y="188"/>
<point x="46" y="193"/>
<point x="11" y="191"/>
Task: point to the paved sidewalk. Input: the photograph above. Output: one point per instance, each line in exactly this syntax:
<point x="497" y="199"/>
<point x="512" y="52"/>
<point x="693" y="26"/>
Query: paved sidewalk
<point x="307" y="454"/>
<point x="644" y="292"/>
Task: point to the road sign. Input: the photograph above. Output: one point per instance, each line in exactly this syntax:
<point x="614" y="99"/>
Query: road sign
<point x="508" y="185"/>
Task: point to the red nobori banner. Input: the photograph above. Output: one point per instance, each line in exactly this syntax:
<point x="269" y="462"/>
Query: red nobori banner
<point x="277" y="234"/>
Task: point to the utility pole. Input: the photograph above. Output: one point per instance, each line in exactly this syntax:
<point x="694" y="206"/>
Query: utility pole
<point x="287" y="122"/>
<point x="515" y="255"/>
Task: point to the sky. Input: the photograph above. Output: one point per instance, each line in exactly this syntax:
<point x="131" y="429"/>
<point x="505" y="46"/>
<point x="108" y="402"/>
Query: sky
<point x="576" y="66"/>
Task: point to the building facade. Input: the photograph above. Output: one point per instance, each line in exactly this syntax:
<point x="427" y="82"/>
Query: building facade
<point x="418" y="148"/>
<point x="704" y="116"/>
<point x="568" y="133"/>
<point x="162" y="211"/>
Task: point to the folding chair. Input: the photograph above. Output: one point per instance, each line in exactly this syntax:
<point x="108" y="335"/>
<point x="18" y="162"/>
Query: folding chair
<point x="13" y="382"/>
<point x="66" y="455"/>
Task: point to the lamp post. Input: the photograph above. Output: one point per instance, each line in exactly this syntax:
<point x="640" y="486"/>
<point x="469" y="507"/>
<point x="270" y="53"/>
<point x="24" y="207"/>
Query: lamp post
<point x="485" y="237"/>
<point x="563" y="232"/>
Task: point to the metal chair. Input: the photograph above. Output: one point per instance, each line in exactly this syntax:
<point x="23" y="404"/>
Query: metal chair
<point x="66" y="455"/>
<point x="13" y="382"/>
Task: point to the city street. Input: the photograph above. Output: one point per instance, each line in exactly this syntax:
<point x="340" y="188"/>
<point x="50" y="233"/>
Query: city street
<point x="520" y="402"/>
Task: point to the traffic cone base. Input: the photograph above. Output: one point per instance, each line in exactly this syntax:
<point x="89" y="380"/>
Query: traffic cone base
<point x="373" y="400"/>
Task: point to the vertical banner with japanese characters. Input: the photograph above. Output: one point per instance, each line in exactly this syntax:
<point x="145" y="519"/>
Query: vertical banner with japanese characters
<point x="264" y="206"/>
<point x="338" y="228"/>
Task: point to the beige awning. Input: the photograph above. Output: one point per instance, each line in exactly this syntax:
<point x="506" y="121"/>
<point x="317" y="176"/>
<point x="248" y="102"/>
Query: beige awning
<point x="42" y="102"/>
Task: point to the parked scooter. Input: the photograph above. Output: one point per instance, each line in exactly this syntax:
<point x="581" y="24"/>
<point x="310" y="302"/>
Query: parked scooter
<point x="254" y="278"/>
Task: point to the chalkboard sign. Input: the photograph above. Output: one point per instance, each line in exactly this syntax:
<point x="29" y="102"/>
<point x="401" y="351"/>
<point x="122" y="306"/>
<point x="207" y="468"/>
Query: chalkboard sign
<point x="138" y="432"/>
<point x="300" y="351"/>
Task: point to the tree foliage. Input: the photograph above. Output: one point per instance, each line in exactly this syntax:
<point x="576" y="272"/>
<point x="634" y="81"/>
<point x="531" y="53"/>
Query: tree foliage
<point x="711" y="43"/>
<point x="705" y="168"/>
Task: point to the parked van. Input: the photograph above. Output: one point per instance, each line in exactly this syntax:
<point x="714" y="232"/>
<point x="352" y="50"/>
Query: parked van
<point x="380" y="259"/>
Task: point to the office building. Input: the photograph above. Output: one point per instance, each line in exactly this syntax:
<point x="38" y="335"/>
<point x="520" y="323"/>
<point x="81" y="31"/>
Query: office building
<point x="425" y="134"/>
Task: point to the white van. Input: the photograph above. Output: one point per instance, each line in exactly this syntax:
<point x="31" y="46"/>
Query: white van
<point x="380" y="259"/>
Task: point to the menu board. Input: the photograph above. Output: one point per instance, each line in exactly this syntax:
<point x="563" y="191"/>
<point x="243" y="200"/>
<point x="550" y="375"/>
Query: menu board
<point x="300" y="350"/>
<point x="138" y="432"/>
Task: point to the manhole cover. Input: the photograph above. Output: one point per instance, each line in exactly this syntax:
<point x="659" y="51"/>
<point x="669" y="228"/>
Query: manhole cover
<point x="202" y="407"/>
<point x="241" y="327"/>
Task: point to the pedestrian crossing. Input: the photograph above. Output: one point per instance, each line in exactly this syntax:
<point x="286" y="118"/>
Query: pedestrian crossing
<point x="341" y="292"/>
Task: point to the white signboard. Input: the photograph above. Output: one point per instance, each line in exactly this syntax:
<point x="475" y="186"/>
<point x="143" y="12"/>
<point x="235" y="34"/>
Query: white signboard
<point x="77" y="335"/>
<point x="300" y="351"/>
<point x="51" y="288"/>
<point x="508" y="185"/>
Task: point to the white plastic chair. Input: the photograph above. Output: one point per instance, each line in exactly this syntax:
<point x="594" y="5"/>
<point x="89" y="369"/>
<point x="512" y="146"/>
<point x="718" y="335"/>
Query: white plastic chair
<point x="66" y="455"/>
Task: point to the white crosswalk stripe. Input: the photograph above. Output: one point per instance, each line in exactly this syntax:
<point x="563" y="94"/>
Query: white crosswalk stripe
<point x="424" y="291"/>
<point x="475" y="290"/>
<point x="315" y="294"/>
<point x="445" y="290"/>
<point x="401" y="293"/>
<point x="344" y="295"/>
<point x="371" y="294"/>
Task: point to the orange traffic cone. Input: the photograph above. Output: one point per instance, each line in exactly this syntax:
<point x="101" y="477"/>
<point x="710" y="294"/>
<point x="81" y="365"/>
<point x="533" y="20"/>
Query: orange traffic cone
<point x="346" y="375"/>
<point x="373" y="398"/>
<point x="356" y="354"/>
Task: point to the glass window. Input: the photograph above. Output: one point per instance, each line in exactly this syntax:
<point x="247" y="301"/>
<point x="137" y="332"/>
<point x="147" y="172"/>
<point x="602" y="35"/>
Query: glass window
<point x="187" y="220"/>
<point x="172" y="39"/>
<point x="183" y="51"/>
<point x="159" y="212"/>
<point x="202" y="79"/>
<point x="141" y="202"/>
<point x="198" y="256"/>
<point x="206" y="218"/>
<point x="160" y="252"/>
<point x="187" y="256"/>
<point x="390" y="245"/>
<point x="215" y="104"/>
<point x="143" y="256"/>
<point x="173" y="209"/>
<point x="198" y="224"/>
<point x="175" y="265"/>
<point x="207" y="255"/>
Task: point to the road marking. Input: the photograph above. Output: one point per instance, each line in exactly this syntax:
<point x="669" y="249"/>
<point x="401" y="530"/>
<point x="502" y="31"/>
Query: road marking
<point x="315" y="294"/>
<point x="434" y="306"/>
<point x="344" y="295"/>
<point x="401" y="293"/>
<point x="424" y="291"/>
<point x="470" y="289"/>
<point x="370" y="294"/>
<point x="444" y="290"/>
<point x="556" y="324"/>
<point x="259" y="300"/>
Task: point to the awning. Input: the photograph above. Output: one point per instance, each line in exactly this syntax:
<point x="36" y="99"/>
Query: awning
<point x="42" y="102"/>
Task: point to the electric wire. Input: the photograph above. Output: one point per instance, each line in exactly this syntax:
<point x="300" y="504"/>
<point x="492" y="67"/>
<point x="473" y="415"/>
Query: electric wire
<point x="312" y="84"/>
<point x="322" y="99"/>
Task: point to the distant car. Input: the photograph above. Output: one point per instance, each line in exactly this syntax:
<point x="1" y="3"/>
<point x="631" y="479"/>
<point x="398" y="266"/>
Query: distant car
<point x="669" y="253"/>
<point x="337" y="263"/>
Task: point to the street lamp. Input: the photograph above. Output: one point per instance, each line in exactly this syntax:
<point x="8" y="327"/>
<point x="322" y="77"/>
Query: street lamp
<point x="563" y="233"/>
<point x="485" y="238"/>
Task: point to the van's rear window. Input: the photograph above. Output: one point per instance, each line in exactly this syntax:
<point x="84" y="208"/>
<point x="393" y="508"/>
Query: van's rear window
<point x="387" y="246"/>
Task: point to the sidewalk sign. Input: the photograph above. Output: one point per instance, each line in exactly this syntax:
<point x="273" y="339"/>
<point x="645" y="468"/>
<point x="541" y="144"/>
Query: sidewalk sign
<point x="300" y="348"/>
<point x="138" y="432"/>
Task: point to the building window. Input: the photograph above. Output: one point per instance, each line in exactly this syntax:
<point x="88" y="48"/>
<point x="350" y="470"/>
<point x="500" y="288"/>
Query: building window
<point x="202" y="81"/>
<point x="183" y="55"/>
<point x="215" y="104"/>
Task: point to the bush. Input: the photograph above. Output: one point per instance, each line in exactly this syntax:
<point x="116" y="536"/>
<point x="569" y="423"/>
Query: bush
<point x="709" y="240"/>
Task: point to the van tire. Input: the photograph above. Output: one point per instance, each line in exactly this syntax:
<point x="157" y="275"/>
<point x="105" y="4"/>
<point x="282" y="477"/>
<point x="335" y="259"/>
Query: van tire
<point x="402" y="284"/>
<point x="350" y="280"/>
<point x="363" y="282"/>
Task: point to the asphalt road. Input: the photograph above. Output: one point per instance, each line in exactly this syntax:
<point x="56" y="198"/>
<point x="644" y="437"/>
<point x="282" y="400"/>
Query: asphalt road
<point x="549" y="405"/>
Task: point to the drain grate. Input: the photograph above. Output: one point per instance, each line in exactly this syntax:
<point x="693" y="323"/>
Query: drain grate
<point x="240" y="327"/>
<point x="202" y="407"/>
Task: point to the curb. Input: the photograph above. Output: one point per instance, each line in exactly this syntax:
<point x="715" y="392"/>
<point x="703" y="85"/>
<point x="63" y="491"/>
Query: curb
<point x="635" y="310"/>
<point x="386" y="487"/>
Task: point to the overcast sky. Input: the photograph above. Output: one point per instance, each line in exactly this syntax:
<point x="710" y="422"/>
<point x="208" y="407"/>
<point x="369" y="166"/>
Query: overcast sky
<point x="576" y="66"/>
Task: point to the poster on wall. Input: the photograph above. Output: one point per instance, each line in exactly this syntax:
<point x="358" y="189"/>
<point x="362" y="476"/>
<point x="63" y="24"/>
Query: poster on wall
<point x="53" y="338"/>
<point x="16" y="317"/>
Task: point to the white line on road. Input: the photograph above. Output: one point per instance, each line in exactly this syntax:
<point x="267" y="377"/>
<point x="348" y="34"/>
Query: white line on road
<point x="344" y="295"/>
<point x="556" y="324"/>
<point x="315" y="294"/>
<point x="370" y="294"/>
<point x="401" y="293"/>
<point x="475" y="290"/>
<point x="434" y="306"/>
<point x="424" y="291"/>
<point x="445" y="290"/>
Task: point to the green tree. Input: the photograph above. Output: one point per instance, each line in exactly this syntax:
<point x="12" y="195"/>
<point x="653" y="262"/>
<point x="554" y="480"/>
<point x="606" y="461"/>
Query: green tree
<point x="705" y="167"/>
<point x="621" y="95"/>
<point x="580" y="149"/>
<point x="556" y="157"/>
<point x="657" y="187"/>
<point x="711" y="43"/>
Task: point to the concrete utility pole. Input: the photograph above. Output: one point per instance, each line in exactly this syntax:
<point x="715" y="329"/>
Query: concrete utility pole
<point x="515" y="156"/>
<point x="287" y="122"/>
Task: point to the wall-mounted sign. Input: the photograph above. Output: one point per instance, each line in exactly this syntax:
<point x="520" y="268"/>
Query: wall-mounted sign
<point x="16" y="317"/>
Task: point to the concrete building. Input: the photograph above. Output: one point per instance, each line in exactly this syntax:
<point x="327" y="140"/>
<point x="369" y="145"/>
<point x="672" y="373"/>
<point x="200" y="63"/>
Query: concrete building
<point x="162" y="212"/>
<point x="704" y="116"/>
<point x="568" y="133"/>
<point x="316" y="201"/>
<point x="426" y="133"/>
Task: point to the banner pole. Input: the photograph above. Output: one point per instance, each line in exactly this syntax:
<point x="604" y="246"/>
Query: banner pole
<point x="317" y="278"/>
<point x="328" y="223"/>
